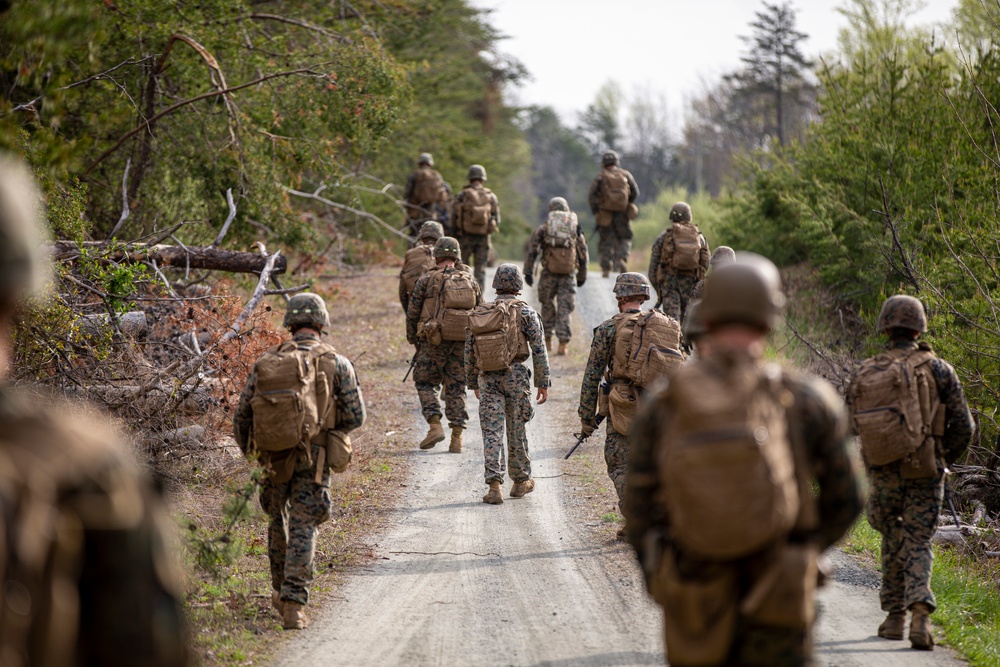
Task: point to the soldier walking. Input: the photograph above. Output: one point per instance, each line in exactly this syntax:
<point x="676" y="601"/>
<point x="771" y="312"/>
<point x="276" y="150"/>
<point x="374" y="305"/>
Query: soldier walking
<point x="678" y="261"/>
<point x="739" y="477"/>
<point x="436" y="319"/>
<point x="298" y="406"/>
<point x="501" y="337"/>
<point x="560" y="242"/>
<point x="423" y="195"/>
<point x="720" y="257"/>
<point x="907" y="461"/>
<point x="623" y="379"/>
<point x="419" y="259"/>
<point x="612" y="198"/>
<point x="475" y="216"/>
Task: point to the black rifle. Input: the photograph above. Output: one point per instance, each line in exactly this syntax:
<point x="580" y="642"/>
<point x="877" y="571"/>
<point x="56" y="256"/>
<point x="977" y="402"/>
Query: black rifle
<point x="581" y="437"/>
<point x="413" y="362"/>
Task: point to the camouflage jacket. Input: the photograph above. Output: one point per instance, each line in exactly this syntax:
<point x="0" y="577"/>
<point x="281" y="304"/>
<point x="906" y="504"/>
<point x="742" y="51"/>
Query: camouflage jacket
<point x="594" y="194"/>
<point x="959" y="426"/>
<point x="415" y="306"/>
<point x="536" y="248"/>
<point x="460" y="197"/>
<point x="531" y="327"/>
<point x="602" y="350"/>
<point x="660" y="256"/>
<point x="344" y="389"/>
<point x="818" y="428"/>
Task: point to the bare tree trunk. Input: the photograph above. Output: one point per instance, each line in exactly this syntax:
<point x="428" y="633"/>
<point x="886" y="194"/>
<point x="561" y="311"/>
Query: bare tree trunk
<point x="191" y="257"/>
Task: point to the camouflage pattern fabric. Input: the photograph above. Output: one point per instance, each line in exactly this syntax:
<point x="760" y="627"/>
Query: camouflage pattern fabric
<point x="439" y="365"/>
<point x="615" y="242"/>
<point x="557" y="295"/>
<point x="698" y="291"/>
<point x="675" y="294"/>
<point x="505" y="401"/>
<point x="476" y="250"/>
<point x="616" y="446"/>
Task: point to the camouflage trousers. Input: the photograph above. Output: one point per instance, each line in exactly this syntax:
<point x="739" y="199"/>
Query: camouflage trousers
<point x="505" y="404"/>
<point x="615" y="244"/>
<point x="296" y="509"/>
<point x="616" y="446"/>
<point x="476" y="247"/>
<point x="439" y="365"/>
<point x="675" y="292"/>
<point x="557" y="294"/>
<point x="905" y="512"/>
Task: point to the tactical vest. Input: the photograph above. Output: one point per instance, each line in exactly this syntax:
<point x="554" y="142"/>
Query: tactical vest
<point x="450" y="295"/>
<point x="614" y="190"/>
<point x="559" y="248"/>
<point x="474" y="212"/>
<point x="418" y="260"/>
<point x="498" y="338"/>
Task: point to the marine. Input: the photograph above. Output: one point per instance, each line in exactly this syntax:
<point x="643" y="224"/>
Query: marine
<point x="419" y="259"/>
<point x="563" y="249"/>
<point x="505" y="395"/>
<point x="475" y="216"/>
<point x="295" y="489"/>
<point x="721" y="256"/>
<point x="424" y="194"/>
<point x="678" y="260"/>
<point x="612" y="197"/>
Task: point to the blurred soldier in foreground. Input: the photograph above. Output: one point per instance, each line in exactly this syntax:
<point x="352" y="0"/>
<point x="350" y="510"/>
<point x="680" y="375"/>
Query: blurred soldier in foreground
<point x="907" y="459"/>
<point x="563" y="248"/>
<point x="678" y="261"/>
<point x="612" y="198"/>
<point x="294" y="415"/>
<point x="476" y="215"/>
<point x="739" y="478"/>
<point x="424" y="194"/>
<point x="501" y="337"/>
<point x="87" y="575"/>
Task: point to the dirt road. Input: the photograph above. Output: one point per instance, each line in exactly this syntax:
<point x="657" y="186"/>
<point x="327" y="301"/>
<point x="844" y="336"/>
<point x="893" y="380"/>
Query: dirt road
<point x="524" y="583"/>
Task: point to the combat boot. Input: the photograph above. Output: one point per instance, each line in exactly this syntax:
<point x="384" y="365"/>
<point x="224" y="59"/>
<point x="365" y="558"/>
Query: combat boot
<point x="494" y="496"/>
<point x="276" y="602"/>
<point x="293" y="617"/>
<point x="892" y="626"/>
<point x="455" y="446"/>
<point x="562" y="348"/>
<point x="435" y="433"/>
<point x="548" y="343"/>
<point x="605" y="273"/>
<point x="920" y="627"/>
<point x="521" y="489"/>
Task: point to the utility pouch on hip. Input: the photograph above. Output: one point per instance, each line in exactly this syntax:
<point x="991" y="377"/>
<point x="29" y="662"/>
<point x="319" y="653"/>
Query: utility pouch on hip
<point x="603" y="218"/>
<point x="432" y="332"/>
<point x="623" y="405"/>
<point x="338" y="450"/>
<point x="699" y="615"/>
<point x="632" y="212"/>
<point x="785" y="594"/>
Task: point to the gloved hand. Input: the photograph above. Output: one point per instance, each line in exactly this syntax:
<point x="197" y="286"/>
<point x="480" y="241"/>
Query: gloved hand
<point x="529" y="279"/>
<point x="587" y="427"/>
<point x="580" y="282"/>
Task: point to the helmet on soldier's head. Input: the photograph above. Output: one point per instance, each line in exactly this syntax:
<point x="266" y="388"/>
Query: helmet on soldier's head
<point x="447" y="248"/>
<point x="609" y="158"/>
<point x="306" y="309"/>
<point x="747" y="291"/>
<point x="693" y="326"/>
<point x="630" y="285"/>
<point x="902" y="312"/>
<point x="680" y="212"/>
<point x="507" y="280"/>
<point x="426" y="158"/>
<point x="723" y="255"/>
<point x="23" y="265"/>
<point x="477" y="171"/>
<point x="430" y="230"/>
<point x="558" y="204"/>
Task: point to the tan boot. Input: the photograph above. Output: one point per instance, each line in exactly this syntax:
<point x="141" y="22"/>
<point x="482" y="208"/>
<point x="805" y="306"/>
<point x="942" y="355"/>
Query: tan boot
<point x="292" y="617"/>
<point x="494" y="496"/>
<point x="455" y="446"/>
<point x="562" y="348"/>
<point x="920" y="627"/>
<point x="548" y="343"/>
<point x="276" y="602"/>
<point x="521" y="489"/>
<point x="435" y="433"/>
<point x="892" y="626"/>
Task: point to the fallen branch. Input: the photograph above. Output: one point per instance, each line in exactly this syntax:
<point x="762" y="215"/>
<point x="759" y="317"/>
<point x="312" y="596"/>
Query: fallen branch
<point x="190" y="257"/>
<point x="258" y="293"/>
<point x="229" y="220"/>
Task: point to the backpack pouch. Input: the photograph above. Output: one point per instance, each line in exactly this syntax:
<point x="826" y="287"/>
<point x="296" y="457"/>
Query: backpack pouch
<point x="623" y="406"/>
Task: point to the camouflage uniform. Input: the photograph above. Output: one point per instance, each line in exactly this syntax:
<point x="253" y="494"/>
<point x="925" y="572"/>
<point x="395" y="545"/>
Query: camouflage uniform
<point x="556" y="293"/>
<point x="905" y="511"/>
<point x="721" y="256"/>
<point x="615" y="242"/>
<point x="418" y="212"/>
<point x="289" y="494"/>
<point x="505" y="401"/>
<point x="674" y="288"/>
<point x="476" y="247"/>
<point x="438" y="365"/>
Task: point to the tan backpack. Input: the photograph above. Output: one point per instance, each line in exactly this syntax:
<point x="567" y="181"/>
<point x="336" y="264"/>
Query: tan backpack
<point x="894" y="403"/>
<point x="559" y="250"/>
<point x="291" y="397"/>
<point x="474" y="212"/>
<point x="647" y="346"/>
<point x="498" y="339"/>
<point x="427" y="186"/>
<point x="614" y="190"/>
<point x="451" y="294"/>
<point x="418" y="260"/>
<point x="686" y="255"/>
<point x="726" y="461"/>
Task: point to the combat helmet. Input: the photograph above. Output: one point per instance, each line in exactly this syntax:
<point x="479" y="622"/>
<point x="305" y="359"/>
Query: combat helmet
<point x="476" y="171"/>
<point x="430" y="230"/>
<point x="630" y="285"/>
<point x="507" y="280"/>
<point x="447" y="248"/>
<point x="680" y="212"/>
<point x="902" y="312"/>
<point x="693" y="326"/>
<point x="747" y="291"/>
<point x="426" y="158"/>
<point x="23" y="265"/>
<point x="306" y="309"/>
<point x="723" y="255"/>
<point x="609" y="158"/>
<point x="558" y="204"/>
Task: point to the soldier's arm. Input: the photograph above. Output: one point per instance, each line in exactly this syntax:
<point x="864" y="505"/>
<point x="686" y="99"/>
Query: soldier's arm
<point x="534" y="246"/>
<point x="351" y="412"/>
<point x="582" y="256"/>
<point x="471" y="369"/>
<point x="411" y="183"/>
<point x="600" y="355"/>
<point x="594" y="194"/>
<point x="243" y="416"/>
<point x="959" y="426"/>
<point x="532" y="329"/>
<point x="642" y="483"/>
<point x="495" y="208"/>
<point x="413" y="307"/>
<point x="633" y="187"/>
<point x="654" y="261"/>
<point x="704" y="255"/>
<point x="404" y="296"/>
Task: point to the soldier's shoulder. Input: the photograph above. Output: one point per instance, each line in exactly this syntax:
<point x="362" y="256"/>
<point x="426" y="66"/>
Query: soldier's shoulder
<point x="812" y="394"/>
